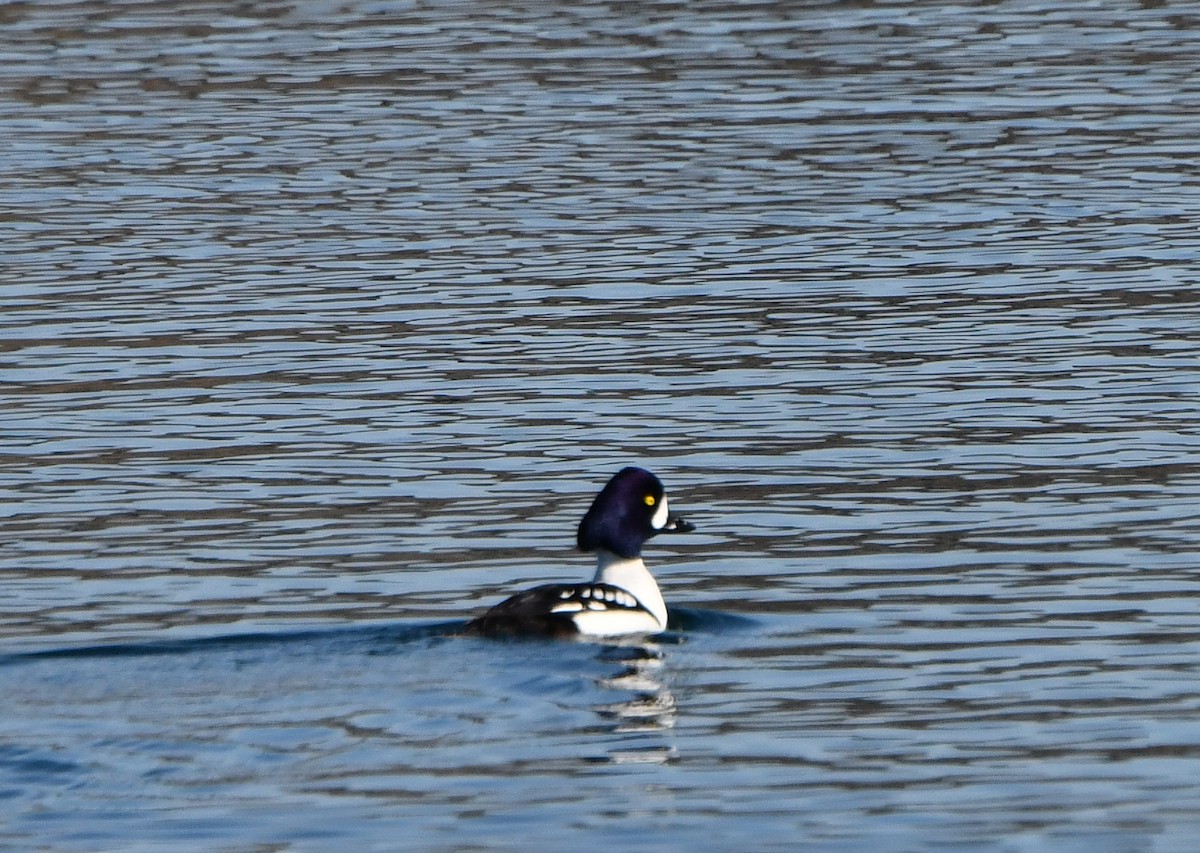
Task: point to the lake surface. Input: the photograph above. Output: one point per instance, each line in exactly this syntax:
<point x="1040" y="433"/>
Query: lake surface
<point x="323" y="322"/>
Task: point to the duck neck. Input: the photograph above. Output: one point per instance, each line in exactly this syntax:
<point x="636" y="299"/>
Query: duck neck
<point x="631" y="575"/>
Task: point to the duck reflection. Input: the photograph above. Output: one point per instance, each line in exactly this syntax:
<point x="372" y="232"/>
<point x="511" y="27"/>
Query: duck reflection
<point x="649" y="707"/>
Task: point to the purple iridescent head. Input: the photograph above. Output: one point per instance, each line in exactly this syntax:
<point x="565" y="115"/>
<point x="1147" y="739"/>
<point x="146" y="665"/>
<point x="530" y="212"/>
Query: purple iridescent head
<point x="630" y="509"/>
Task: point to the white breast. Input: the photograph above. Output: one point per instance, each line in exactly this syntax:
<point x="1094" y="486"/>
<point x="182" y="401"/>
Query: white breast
<point x="631" y="575"/>
<point x="612" y="623"/>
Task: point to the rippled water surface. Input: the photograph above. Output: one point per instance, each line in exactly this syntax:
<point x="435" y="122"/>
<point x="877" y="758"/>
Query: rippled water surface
<point x="322" y="323"/>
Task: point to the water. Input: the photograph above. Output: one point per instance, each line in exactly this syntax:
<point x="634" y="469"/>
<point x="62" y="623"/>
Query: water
<point x="322" y="323"/>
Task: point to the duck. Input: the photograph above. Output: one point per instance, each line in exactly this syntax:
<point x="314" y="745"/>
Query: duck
<point x="623" y="598"/>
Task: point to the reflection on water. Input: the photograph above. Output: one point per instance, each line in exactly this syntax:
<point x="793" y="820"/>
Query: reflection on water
<point x="649" y="706"/>
<point x="322" y="323"/>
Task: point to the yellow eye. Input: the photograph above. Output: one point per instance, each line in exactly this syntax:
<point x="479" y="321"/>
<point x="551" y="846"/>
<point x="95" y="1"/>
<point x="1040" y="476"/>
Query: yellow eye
<point x="650" y="500"/>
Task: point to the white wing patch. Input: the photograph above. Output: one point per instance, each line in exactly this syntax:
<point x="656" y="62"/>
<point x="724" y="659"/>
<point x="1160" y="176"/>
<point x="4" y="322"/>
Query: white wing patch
<point x="596" y="599"/>
<point x="605" y="611"/>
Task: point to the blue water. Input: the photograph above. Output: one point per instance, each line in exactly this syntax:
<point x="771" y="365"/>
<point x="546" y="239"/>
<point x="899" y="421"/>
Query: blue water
<point x="323" y="323"/>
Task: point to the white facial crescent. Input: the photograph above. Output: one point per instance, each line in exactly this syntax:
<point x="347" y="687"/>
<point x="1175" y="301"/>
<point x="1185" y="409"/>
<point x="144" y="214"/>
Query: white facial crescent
<point x="659" y="520"/>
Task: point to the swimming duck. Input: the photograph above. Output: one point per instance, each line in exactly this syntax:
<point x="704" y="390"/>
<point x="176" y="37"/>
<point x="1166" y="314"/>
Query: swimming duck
<point x="623" y="597"/>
